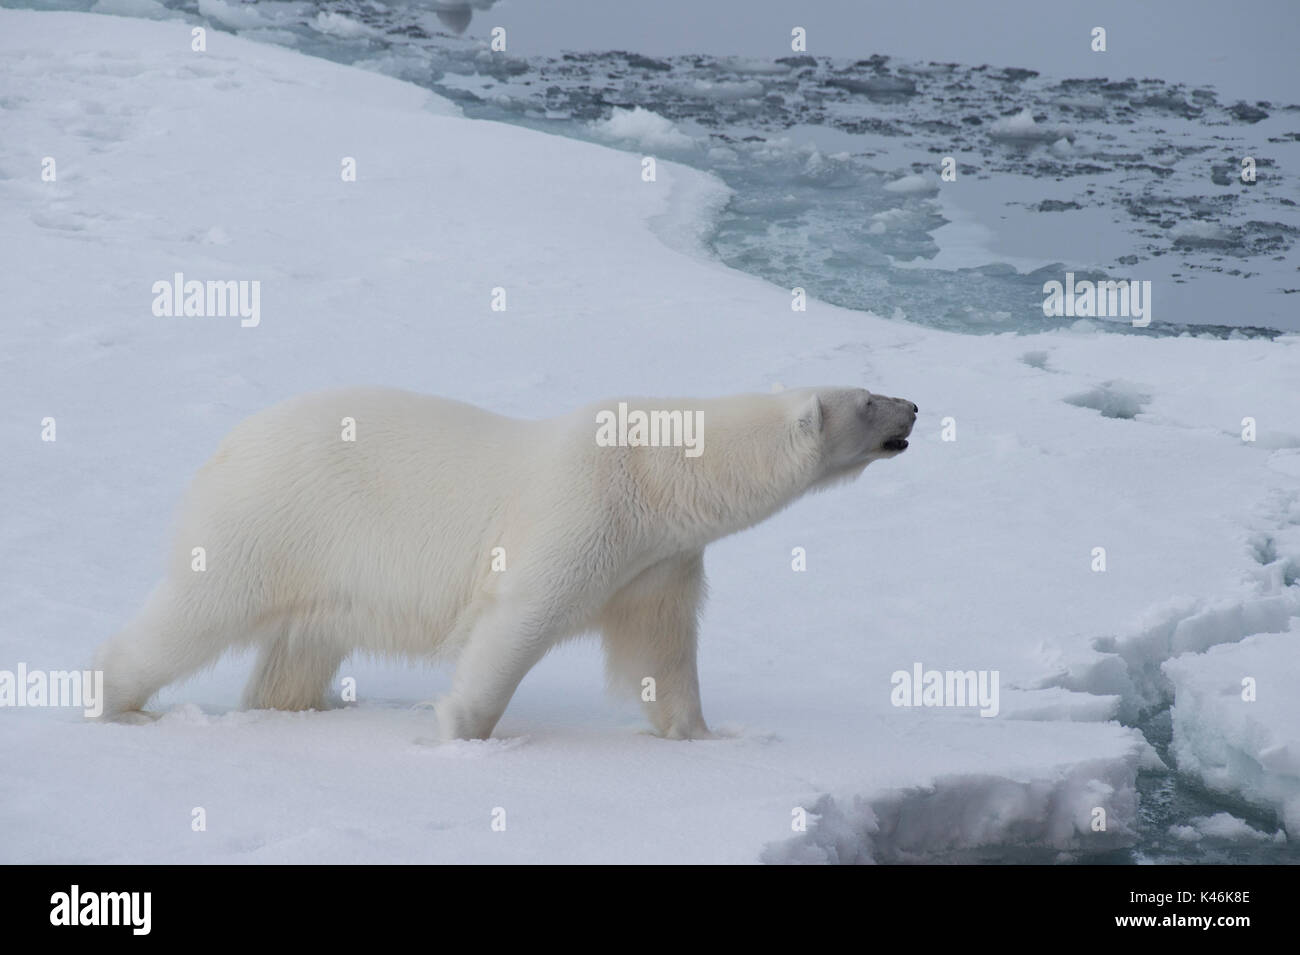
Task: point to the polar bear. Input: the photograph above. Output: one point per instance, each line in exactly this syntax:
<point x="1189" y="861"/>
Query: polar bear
<point x="396" y="523"/>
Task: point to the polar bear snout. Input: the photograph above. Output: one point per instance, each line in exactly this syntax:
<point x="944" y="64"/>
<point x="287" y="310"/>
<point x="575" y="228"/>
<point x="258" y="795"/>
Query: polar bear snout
<point x="895" y="418"/>
<point x="859" y="427"/>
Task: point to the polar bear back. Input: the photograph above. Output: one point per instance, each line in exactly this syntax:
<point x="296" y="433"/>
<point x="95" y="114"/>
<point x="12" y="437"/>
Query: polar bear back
<point x="406" y="514"/>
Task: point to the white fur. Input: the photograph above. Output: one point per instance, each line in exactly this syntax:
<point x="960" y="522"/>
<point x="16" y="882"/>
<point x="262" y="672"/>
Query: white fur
<point x="317" y="547"/>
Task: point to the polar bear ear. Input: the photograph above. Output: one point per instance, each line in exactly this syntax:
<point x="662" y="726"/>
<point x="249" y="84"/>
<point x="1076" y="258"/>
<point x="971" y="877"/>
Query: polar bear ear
<point x="809" y="417"/>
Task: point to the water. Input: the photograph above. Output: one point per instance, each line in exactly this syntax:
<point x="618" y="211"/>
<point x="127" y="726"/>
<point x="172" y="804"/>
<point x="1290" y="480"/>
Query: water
<point x="1168" y="799"/>
<point x="1130" y="178"/>
<point x="1124" y="179"/>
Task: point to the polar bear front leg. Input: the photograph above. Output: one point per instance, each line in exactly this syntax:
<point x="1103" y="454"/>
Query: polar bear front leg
<point x="650" y="629"/>
<point x="503" y="646"/>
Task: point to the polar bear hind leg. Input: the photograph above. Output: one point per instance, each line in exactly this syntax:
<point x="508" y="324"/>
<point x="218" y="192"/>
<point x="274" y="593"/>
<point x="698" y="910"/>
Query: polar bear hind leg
<point x="294" y="670"/>
<point x="166" y="642"/>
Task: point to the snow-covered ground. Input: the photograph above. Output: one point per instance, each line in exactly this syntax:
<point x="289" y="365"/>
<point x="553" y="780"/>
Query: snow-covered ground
<point x="1127" y="164"/>
<point x="1236" y="721"/>
<point x="975" y="554"/>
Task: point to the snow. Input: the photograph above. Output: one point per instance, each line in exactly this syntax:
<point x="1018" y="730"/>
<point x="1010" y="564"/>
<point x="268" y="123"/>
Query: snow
<point x="1223" y="826"/>
<point x="1249" y="747"/>
<point x="1114" y="399"/>
<point x="963" y="814"/>
<point x="968" y="554"/>
<point x="1062" y="148"/>
<point x="1192" y="231"/>
<point x="336" y="24"/>
<point x="1022" y="127"/>
<point x="641" y="127"/>
<point x="912" y="186"/>
<point x="722" y="91"/>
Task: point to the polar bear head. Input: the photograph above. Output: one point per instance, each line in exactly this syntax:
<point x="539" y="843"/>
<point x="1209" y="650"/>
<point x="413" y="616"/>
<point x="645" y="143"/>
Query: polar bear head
<point x="762" y="453"/>
<point x="855" y="427"/>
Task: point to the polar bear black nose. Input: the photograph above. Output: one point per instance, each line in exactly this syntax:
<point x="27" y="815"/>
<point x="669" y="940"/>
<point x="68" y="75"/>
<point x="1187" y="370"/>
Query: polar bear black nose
<point x="915" y="409"/>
